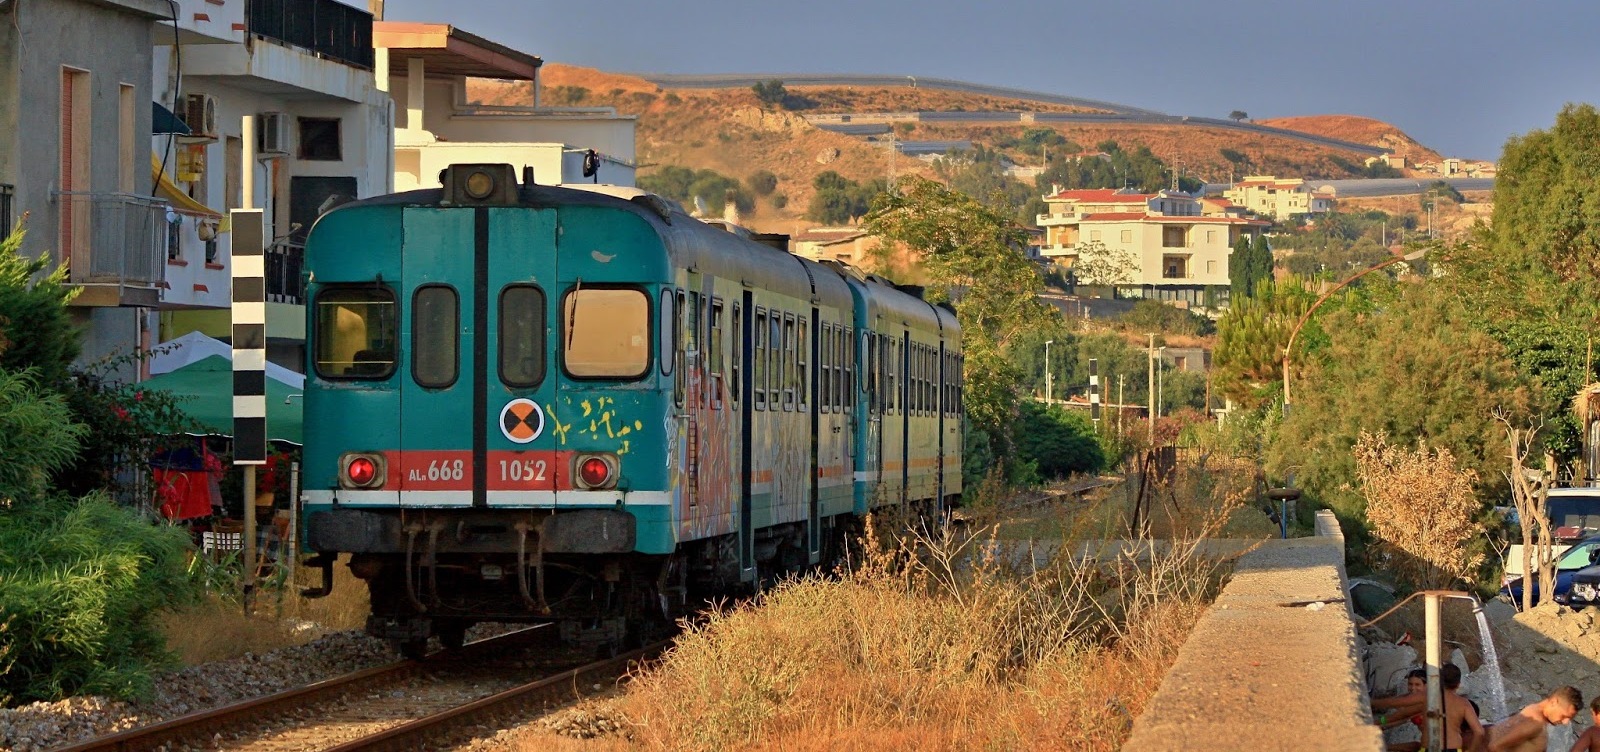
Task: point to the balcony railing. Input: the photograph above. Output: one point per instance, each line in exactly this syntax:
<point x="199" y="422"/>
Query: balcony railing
<point x="113" y="238"/>
<point x="7" y="191"/>
<point x="327" y="28"/>
<point x="284" y="283"/>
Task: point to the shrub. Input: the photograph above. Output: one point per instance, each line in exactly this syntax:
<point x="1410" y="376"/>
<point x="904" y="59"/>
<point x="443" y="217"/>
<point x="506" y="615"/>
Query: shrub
<point x="1062" y="443"/>
<point x="34" y="321"/>
<point x="37" y="438"/>
<point x="1421" y="507"/>
<point x="81" y="582"/>
<point x="762" y="182"/>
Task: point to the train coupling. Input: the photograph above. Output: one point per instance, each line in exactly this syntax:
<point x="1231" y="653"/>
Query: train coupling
<point x="324" y="562"/>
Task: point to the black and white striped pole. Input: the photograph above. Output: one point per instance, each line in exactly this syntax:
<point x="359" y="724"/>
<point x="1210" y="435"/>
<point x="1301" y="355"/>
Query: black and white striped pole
<point x="249" y="347"/>
<point x="1094" y="391"/>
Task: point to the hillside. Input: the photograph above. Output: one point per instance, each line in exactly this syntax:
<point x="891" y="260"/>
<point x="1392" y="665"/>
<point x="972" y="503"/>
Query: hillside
<point x="729" y="130"/>
<point x="1359" y="129"/>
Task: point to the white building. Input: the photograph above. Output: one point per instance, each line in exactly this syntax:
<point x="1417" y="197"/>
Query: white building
<point x="1168" y="246"/>
<point x="426" y="67"/>
<point x="304" y="69"/>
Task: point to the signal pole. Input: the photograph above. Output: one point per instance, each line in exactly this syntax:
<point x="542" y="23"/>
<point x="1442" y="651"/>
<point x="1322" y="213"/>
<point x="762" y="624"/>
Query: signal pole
<point x="1150" y="414"/>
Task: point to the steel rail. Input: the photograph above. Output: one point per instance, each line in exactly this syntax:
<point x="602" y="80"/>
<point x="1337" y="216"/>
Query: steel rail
<point x="205" y="723"/>
<point x="416" y="734"/>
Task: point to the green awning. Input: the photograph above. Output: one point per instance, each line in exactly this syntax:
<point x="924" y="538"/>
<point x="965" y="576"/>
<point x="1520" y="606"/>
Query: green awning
<point x="162" y="121"/>
<point x="206" y="389"/>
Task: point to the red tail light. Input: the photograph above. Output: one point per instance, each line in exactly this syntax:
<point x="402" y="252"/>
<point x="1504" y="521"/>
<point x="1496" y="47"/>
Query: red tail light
<point x="362" y="471"/>
<point x="596" y="471"/>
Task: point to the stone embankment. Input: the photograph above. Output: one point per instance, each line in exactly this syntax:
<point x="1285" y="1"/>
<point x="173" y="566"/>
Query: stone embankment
<point x="1274" y="664"/>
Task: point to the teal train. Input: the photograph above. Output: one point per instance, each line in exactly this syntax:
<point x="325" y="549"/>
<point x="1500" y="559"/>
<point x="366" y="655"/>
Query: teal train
<point x="578" y="404"/>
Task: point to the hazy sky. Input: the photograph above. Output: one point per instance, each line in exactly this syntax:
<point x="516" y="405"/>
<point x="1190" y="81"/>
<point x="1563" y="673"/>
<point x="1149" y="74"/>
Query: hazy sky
<point x="1458" y="76"/>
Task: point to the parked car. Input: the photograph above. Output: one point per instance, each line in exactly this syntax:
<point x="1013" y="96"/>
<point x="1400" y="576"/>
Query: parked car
<point x="1578" y="558"/>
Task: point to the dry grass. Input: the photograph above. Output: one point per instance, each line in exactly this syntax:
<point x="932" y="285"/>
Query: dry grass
<point x="218" y="628"/>
<point x="941" y="642"/>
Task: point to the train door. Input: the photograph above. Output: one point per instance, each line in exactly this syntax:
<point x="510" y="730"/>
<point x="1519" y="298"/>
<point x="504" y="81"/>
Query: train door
<point x="747" y="390"/>
<point x="872" y="374"/>
<point x="516" y="407"/>
<point x="435" y="463"/>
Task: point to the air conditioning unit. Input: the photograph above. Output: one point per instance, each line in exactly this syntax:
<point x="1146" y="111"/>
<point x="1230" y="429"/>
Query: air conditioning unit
<point x="273" y="138"/>
<point x="200" y="114"/>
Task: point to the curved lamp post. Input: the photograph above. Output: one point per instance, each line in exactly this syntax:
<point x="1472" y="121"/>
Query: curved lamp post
<point x="1288" y="348"/>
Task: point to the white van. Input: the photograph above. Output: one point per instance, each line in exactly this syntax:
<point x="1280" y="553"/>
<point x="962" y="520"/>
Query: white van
<point x="1574" y="514"/>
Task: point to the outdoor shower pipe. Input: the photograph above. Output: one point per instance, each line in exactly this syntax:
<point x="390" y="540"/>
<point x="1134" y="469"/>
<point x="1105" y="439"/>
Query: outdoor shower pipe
<point x="1432" y="654"/>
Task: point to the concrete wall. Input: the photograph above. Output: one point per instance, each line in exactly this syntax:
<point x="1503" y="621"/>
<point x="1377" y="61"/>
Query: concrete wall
<point x="1274" y="664"/>
<point x="112" y="41"/>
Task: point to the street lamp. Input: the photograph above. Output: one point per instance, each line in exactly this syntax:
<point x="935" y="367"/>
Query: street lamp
<point x="1047" y="383"/>
<point x="1413" y="256"/>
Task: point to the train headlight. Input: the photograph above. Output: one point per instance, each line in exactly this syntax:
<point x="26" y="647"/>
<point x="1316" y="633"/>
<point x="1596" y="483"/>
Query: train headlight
<point x="362" y="471"/>
<point x="595" y="471"/>
<point x="479" y="185"/>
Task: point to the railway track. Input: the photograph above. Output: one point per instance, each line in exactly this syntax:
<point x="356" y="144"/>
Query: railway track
<point x="393" y="707"/>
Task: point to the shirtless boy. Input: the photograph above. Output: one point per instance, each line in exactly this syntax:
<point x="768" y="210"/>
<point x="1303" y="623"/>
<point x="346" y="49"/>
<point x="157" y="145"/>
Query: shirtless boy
<point x="1462" y="730"/>
<point x="1524" y="732"/>
<point x="1590" y="741"/>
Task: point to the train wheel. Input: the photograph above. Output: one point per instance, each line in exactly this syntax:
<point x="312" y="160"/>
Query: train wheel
<point x="452" y="635"/>
<point x="414" y="649"/>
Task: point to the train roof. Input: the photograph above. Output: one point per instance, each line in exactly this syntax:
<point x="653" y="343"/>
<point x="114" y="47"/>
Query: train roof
<point x="696" y="244"/>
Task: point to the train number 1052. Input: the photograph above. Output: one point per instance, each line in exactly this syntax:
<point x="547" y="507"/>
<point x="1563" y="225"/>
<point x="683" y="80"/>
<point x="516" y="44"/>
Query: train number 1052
<point x="523" y="470"/>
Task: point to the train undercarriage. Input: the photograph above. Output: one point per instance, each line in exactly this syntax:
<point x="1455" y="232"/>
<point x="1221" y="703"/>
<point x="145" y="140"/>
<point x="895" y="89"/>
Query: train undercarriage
<point x="434" y="573"/>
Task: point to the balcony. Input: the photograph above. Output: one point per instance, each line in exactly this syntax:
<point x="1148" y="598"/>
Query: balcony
<point x="115" y="246"/>
<point x="284" y="283"/>
<point x="327" y="28"/>
<point x="1056" y="218"/>
<point x="7" y="192"/>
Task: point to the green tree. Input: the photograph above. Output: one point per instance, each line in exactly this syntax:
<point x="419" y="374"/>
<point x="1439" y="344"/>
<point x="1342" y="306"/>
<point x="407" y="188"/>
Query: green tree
<point x="1532" y="277"/>
<point x="839" y="200"/>
<point x="1412" y="369"/>
<point x="684" y="185"/>
<point x="970" y="249"/>
<point x="1238" y="115"/>
<point x="1248" y="362"/>
<point x="1241" y="271"/>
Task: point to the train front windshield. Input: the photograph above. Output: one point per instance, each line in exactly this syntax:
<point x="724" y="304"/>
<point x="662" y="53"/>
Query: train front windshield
<point x="606" y="333"/>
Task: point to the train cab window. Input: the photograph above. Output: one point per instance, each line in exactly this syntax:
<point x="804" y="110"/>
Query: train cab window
<point x="758" y="350"/>
<point x="605" y="333"/>
<point x="669" y="331"/>
<point x="435" y="336"/>
<point x="356" y="332"/>
<point x="802" y="346"/>
<point x="522" y="336"/>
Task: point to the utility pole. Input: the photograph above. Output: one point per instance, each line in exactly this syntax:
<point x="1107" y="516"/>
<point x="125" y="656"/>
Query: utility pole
<point x="1161" y="371"/>
<point x="1048" y="391"/>
<point x="1150" y="411"/>
<point x="1121" y="402"/>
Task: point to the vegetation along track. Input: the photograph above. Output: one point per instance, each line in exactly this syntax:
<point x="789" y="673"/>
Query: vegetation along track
<point x="397" y="706"/>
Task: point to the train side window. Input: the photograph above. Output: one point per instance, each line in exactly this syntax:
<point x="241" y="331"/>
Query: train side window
<point x="775" y="359"/>
<point x="825" y="369"/>
<point x="605" y="332"/>
<point x="758" y="350"/>
<point x="788" y="361"/>
<point x="847" y="352"/>
<point x="356" y="329"/>
<point x="715" y="347"/>
<point x="691" y="329"/>
<point x="435" y="336"/>
<point x="522" y="336"/>
<point x="738" y="353"/>
<point x="802" y="361"/>
<point x="675" y="355"/>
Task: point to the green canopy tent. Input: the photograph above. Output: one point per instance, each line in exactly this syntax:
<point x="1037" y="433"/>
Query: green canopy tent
<point x="206" y="390"/>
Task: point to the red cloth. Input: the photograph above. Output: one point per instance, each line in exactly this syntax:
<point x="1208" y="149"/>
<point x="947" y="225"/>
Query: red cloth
<point x="184" y="494"/>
